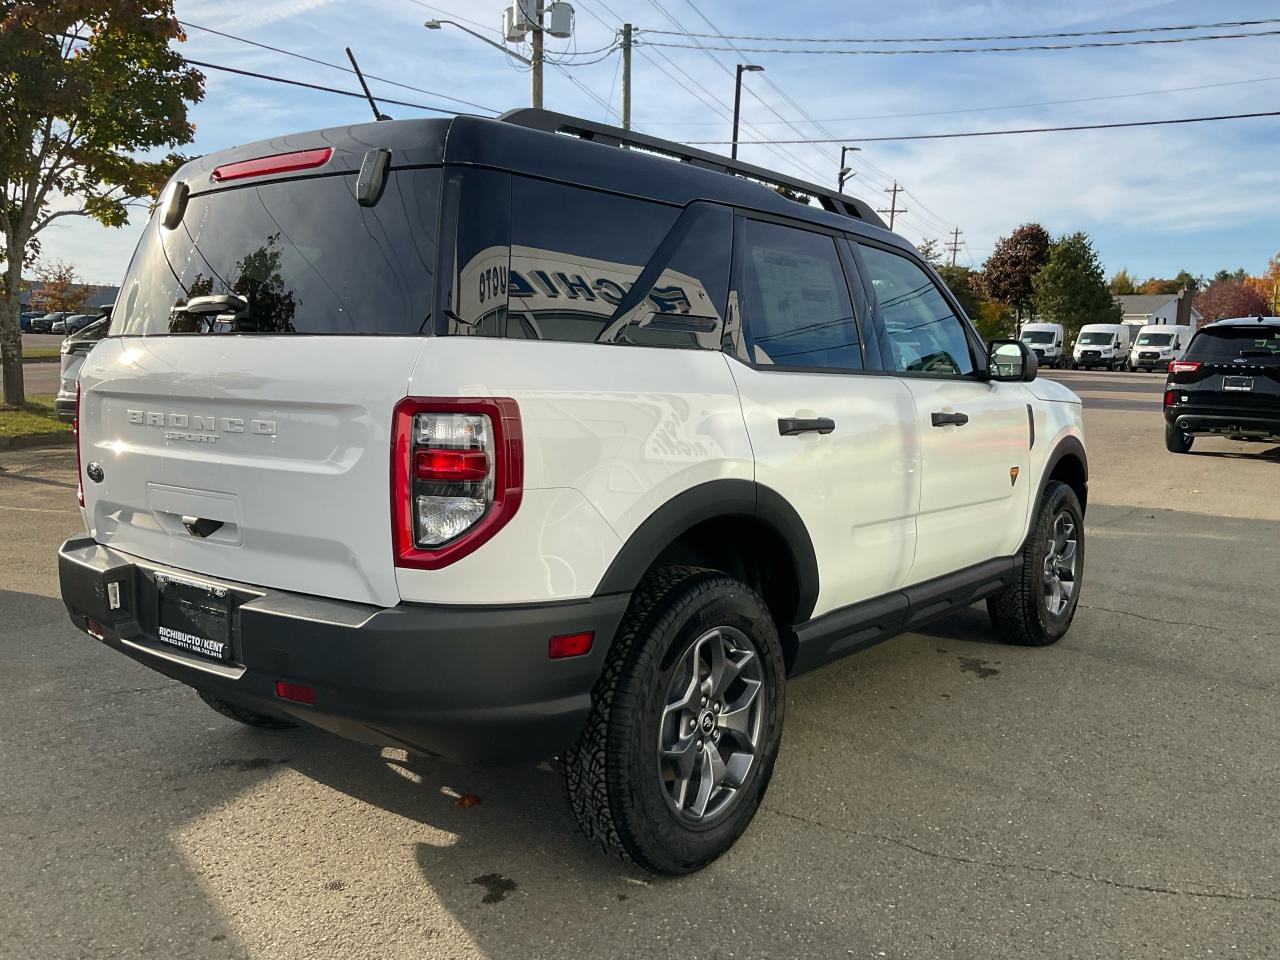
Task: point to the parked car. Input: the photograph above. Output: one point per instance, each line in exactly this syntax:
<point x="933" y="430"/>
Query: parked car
<point x="44" y="323"/>
<point x="1103" y="345"/>
<point x="636" y="441"/>
<point x="74" y="349"/>
<point x="1157" y="345"/>
<point x="78" y="321"/>
<point x="1227" y="384"/>
<point x="24" y="321"/>
<point x="1046" y="340"/>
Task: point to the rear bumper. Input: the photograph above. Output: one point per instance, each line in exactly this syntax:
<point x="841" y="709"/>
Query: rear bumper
<point x="472" y="684"/>
<point x="65" y="407"/>
<point x="1242" y="423"/>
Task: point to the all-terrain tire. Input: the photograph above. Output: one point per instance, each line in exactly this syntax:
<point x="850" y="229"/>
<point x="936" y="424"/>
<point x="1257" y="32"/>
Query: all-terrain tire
<point x="1175" y="441"/>
<point x="612" y="772"/>
<point x="248" y="717"/>
<point x="1020" y="612"/>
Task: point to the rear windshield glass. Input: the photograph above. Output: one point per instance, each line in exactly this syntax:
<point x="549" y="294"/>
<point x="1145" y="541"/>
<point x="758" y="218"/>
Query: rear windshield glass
<point x="1228" y="343"/>
<point x="1037" y="336"/>
<point x="1155" y="339"/>
<point x="286" y="257"/>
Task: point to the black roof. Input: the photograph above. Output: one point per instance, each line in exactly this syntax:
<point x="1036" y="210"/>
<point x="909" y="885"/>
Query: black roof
<point x="534" y="143"/>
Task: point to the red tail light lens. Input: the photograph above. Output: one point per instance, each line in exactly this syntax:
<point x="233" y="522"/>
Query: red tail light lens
<point x="75" y="430"/>
<point x="457" y="475"/>
<point x="1168" y="398"/>
<point x="1184" y="366"/>
<point x="276" y="163"/>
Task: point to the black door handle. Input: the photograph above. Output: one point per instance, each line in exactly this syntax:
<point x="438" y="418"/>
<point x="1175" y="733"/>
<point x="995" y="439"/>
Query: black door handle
<point x="950" y="419"/>
<point x="790" y="426"/>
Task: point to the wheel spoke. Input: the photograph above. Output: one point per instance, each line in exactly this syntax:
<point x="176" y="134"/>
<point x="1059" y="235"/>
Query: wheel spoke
<point x="735" y="662"/>
<point x="685" y="702"/>
<point x="712" y="648"/>
<point x="683" y="757"/>
<point x="738" y="719"/>
<point x="712" y="773"/>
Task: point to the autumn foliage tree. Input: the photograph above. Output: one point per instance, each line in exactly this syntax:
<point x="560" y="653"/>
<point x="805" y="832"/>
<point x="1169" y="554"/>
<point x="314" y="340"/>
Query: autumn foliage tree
<point x="1231" y="298"/>
<point x="90" y="89"/>
<point x="58" y="288"/>
<point x="1007" y="275"/>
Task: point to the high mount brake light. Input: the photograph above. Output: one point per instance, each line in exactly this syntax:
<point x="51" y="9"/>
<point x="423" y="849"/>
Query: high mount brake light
<point x="276" y="163"/>
<point x="1184" y="366"/>
<point x="457" y="476"/>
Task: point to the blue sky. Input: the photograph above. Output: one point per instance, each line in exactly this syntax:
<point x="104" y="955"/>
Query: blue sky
<point x="1155" y="200"/>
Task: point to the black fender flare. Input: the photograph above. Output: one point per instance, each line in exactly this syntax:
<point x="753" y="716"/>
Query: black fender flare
<point x="708" y="501"/>
<point x="1067" y="446"/>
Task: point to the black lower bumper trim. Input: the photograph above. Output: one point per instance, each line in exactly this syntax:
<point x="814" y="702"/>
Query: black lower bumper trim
<point x="1224" y="423"/>
<point x="469" y="683"/>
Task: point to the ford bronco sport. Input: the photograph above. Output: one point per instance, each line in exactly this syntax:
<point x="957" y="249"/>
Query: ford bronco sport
<point x="526" y="438"/>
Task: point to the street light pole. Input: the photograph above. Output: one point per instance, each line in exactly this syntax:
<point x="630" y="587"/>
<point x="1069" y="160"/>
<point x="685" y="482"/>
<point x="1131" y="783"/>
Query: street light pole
<point x="737" y="99"/>
<point x="845" y="173"/>
<point x="437" y="24"/>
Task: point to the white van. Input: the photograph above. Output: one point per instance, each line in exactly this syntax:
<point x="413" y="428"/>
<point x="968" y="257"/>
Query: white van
<point x="1157" y="345"/>
<point x="1047" y="340"/>
<point x="1103" y="345"/>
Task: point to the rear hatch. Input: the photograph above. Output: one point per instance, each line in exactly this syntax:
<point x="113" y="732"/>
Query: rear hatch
<point x="259" y="344"/>
<point x="1231" y="370"/>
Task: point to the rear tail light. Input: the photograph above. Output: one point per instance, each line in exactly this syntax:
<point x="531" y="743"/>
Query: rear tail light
<point x="457" y="474"/>
<point x="1184" y="366"/>
<point x="75" y="430"/>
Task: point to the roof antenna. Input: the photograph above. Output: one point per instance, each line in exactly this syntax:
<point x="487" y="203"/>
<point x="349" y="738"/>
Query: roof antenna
<point x="377" y="114"/>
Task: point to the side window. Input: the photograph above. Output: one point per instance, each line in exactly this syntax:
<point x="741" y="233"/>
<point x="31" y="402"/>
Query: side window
<point x="794" y="299"/>
<point x="574" y="255"/>
<point x="921" y="332"/>
<point x="483" y="256"/>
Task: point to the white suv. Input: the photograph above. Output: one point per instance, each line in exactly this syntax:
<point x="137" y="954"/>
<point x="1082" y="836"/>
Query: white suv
<point x="474" y="438"/>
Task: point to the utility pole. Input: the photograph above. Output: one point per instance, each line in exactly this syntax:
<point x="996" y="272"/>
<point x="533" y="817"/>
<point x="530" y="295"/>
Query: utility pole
<point x="626" y="76"/>
<point x="893" y="210"/>
<point x="536" y="59"/>
<point x="954" y="245"/>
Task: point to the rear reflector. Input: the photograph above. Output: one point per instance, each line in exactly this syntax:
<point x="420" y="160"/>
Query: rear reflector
<point x="570" y="645"/>
<point x="277" y="163"/>
<point x="297" y="692"/>
<point x="1168" y="398"/>
<point x="94" y="629"/>
<point x="1184" y="366"/>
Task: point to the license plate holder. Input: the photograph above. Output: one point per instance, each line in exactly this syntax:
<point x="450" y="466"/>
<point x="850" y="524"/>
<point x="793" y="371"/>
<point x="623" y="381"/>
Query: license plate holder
<point x="1241" y="384"/>
<point x="193" y="617"/>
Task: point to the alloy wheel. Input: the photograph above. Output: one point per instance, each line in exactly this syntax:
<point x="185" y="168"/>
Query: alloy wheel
<point x="1060" y="564"/>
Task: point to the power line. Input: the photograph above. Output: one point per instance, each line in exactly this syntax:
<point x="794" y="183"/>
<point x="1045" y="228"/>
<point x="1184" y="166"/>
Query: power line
<point x="1007" y="36"/>
<point x="332" y="66"/>
<point x="1015" y="106"/>
<point x="934" y="50"/>
<point x="313" y="86"/>
<point x="1005" y="133"/>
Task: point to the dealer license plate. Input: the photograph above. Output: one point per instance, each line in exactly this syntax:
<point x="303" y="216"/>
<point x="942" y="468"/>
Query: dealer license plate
<point x="193" y="617"/>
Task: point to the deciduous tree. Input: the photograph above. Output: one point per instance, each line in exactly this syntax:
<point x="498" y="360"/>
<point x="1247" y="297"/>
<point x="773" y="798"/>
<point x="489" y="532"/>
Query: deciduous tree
<point x="58" y="288"/>
<point x="1008" y="273"/>
<point x="1072" y="288"/>
<point x="1122" y="284"/>
<point x="1231" y="298"/>
<point x="90" y="90"/>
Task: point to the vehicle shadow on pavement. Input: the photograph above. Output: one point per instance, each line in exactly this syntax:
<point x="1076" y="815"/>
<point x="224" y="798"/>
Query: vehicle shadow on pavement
<point x="1245" y="452"/>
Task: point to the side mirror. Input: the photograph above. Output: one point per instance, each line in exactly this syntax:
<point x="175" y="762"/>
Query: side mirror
<point x="1011" y="360"/>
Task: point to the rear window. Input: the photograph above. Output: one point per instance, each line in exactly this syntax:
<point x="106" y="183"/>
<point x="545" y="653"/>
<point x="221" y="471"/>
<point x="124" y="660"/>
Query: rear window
<point x="289" y="257"/>
<point x="1224" y="344"/>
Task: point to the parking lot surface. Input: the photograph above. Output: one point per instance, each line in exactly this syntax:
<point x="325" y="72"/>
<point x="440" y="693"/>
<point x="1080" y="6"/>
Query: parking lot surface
<point x="941" y="795"/>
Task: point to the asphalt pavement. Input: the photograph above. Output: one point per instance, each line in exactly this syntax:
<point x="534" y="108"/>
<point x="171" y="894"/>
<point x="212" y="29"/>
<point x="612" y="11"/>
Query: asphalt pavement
<point x="939" y="796"/>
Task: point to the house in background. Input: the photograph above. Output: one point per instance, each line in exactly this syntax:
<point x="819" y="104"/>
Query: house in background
<point x="1162" y="308"/>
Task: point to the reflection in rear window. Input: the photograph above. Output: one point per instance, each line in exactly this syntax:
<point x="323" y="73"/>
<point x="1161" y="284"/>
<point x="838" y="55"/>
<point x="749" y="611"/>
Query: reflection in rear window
<point x="288" y="257"/>
<point x="1229" y="343"/>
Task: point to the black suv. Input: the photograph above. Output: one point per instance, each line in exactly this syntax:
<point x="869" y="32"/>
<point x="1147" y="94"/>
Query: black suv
<point x="1228" y="383"/>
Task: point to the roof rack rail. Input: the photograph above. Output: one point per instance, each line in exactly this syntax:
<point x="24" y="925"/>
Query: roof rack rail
<point x="549" y="121"/>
